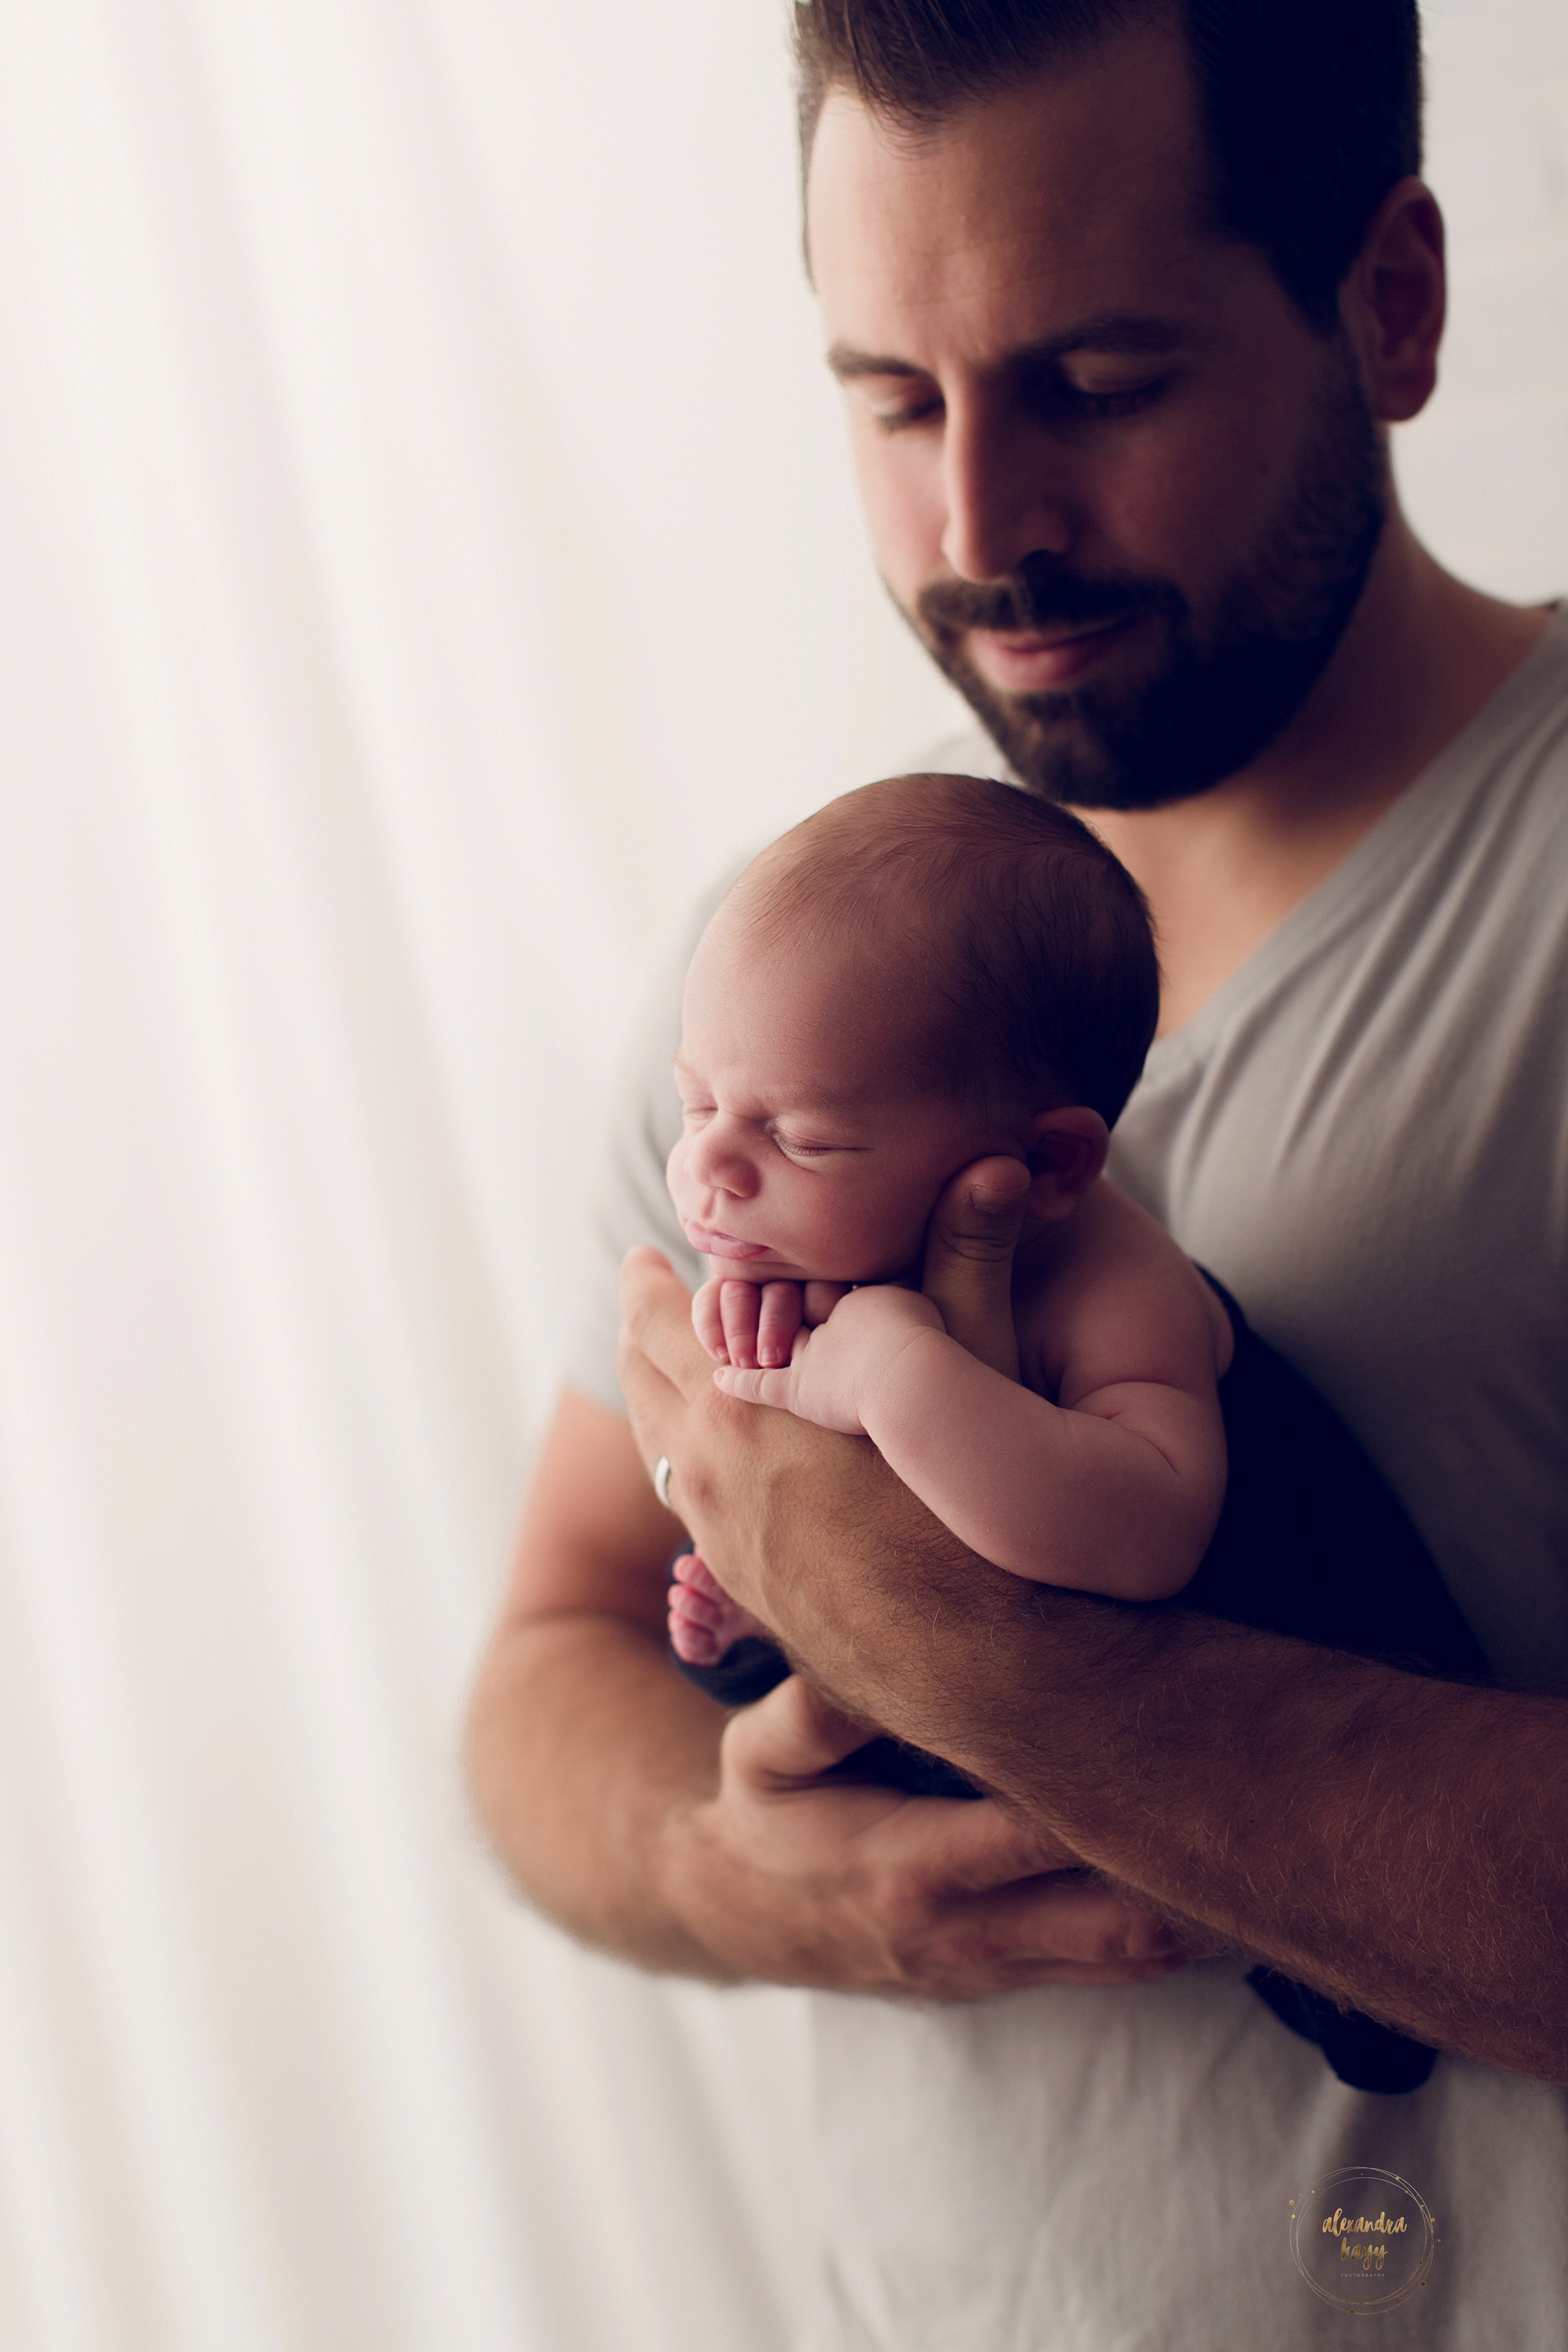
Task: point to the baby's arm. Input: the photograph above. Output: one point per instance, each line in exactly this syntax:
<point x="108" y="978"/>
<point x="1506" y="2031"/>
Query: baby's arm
<point x="1115" y="1490"/>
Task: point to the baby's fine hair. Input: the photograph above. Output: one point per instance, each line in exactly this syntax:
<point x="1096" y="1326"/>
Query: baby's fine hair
<point x="1034" y="939"/>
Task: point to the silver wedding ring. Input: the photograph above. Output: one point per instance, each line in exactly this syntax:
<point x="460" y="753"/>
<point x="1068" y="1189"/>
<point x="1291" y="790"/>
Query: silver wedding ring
<point x="661" y="1481"/>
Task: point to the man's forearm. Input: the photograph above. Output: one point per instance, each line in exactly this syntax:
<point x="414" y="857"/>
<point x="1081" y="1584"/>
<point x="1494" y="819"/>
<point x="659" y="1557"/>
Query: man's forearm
<point x="585" y="1752"/>
<point x="647" y="1823"/>
<point x="1395" y="1841"/>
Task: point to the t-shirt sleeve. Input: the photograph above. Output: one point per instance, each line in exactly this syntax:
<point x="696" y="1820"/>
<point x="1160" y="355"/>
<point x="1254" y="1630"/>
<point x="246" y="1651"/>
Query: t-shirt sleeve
<point x="631" y="1201"/>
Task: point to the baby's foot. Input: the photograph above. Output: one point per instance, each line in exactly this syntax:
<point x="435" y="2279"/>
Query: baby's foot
<point x="703" y="1620"/>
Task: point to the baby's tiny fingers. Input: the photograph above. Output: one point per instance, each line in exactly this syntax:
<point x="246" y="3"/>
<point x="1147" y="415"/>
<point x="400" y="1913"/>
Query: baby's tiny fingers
<point x="738" y="1304"/>
<point x="779" y="1321"/>
<point x="707" y="1321"/>
<point x="822" y="1298"/>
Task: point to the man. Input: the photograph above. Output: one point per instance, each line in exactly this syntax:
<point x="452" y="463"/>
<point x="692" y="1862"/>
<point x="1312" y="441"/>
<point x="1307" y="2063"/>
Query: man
<point x="1123" y="300"/>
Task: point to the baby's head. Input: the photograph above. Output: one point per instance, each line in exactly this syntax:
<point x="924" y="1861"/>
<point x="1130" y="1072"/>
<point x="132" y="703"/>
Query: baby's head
<point x="927" y="972"/>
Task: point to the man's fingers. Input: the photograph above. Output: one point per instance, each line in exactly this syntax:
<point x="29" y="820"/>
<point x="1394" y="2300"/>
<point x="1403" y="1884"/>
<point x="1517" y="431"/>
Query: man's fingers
<point x="951" y="1900"/>
<point x="1079" y="1931"/>
<point x="960" y="1846"/>
<point x="793" y="1735"/>
<point x="970" y="1241"/>
<point x="972" y="1847"/>
<point x="980" y="1214"/>
<point x="754" y="1388"/>
<point x="657" y="1305"/>
<point x="647" y="1282"/>
<point x="662" y="1363"/>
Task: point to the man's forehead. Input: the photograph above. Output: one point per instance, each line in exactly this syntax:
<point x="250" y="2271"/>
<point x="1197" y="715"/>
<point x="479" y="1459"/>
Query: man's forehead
<point x="1077" y="192"/>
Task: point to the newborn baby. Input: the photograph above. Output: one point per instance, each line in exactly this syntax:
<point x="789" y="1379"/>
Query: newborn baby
<point x="932" y="972"/>
<point x="938" y="974"/>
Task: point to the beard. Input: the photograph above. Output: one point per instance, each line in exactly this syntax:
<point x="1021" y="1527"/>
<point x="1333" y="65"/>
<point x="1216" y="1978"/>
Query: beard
<point x="1222" y="689"/>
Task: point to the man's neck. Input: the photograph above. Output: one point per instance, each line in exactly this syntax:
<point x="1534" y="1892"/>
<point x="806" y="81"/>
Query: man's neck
<point x="1421" y="657"/>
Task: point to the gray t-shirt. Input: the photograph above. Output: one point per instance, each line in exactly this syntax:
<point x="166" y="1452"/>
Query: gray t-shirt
<point x="1365" y="1134"/>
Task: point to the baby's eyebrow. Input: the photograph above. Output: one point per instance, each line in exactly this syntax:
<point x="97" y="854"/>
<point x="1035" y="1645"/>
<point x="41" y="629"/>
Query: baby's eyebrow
<point x="825" y="1105"/>
<point x="824" y="1100"/>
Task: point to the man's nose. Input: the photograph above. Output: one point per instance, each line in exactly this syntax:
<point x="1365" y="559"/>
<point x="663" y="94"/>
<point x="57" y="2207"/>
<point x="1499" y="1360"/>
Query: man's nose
<point x="1006" y="498"/>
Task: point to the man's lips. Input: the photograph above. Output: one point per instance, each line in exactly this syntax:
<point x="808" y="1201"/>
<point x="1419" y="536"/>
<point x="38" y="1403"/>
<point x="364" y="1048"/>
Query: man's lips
<point x="1038" y="661"/>
<point x="708" y="1244"/>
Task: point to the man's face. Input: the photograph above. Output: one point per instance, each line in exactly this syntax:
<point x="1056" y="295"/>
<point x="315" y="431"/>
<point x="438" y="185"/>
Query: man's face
<point x="1125" y="494"/>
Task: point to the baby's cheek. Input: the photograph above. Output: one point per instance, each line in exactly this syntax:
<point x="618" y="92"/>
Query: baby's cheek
<point x="874" y="1236"/>
<point x="829" y="1235"/>
<point x="899" y="1232"/>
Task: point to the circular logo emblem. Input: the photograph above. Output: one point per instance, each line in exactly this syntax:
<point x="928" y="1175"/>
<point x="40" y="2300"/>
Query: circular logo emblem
<point x="1362" y="2239"/>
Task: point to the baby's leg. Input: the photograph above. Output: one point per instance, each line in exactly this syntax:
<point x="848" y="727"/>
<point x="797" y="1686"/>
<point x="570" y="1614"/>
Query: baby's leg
<point x="703" y="1620"/>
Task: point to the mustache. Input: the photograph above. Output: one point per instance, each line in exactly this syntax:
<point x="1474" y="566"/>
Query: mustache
<point x="1040" y="595"/>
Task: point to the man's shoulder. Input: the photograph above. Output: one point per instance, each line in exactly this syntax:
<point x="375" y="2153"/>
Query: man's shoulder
<point x="1522" y="730"/>
<point x="1499" y="795"/>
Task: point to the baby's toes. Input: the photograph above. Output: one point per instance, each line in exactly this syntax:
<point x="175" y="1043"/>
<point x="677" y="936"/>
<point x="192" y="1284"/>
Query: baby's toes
<point x="688" y="1608"/>
<point x="692" y="1642"/>
<point x="696" y="1575"/>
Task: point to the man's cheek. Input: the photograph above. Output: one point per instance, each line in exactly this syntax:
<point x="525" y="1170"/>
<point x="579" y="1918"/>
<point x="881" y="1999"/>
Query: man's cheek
<point x="905" y="523"/>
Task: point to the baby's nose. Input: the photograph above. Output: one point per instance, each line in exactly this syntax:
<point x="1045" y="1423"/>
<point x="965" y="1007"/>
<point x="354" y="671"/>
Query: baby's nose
<point x="722" y="1161"/>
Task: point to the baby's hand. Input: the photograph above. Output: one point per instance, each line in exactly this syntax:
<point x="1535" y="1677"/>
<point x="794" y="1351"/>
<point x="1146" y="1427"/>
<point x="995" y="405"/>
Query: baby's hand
<point x="753" y="1324"/>
<point x="834" y="1368"/>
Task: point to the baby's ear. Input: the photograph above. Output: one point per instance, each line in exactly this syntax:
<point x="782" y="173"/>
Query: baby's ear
<point x="1066" y="1152"/>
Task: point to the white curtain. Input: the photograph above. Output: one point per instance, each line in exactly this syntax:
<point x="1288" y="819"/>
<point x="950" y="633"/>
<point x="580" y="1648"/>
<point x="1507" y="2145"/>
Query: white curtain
<point x="427" y="555"/>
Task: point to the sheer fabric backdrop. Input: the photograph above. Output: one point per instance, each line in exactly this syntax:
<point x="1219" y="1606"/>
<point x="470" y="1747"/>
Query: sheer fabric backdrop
<point x="427" y="555"/>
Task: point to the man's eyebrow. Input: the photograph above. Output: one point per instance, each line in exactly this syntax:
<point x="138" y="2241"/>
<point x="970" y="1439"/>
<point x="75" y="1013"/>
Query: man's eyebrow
<point x="1115" y="331"/>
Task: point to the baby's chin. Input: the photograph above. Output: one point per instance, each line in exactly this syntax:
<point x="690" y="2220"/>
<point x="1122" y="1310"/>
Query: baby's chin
<point x="729" y="1258"/>
<point x="783" y="1269"/>
<point x="764" y="1268"/>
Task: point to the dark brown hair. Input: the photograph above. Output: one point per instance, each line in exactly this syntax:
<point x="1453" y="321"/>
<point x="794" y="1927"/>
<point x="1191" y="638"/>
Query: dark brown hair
<point x="1311" y="109"/>
<point x="1032" y="938"/>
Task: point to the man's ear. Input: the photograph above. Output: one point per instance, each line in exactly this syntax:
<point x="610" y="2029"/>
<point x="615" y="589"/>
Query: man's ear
<point x="1393" y="300"/>
<point x="1066" y="1152"/>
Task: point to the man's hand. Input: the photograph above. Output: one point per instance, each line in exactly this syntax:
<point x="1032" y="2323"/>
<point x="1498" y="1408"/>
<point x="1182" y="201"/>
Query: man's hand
<point x="648" y="1824"/>
<point x="1391" y="1840"/>
<point x="734" y="1469"/>
<point x="834" y="1371"/>
<point x="800" y="1880"/>
<point x="968" y="1272"/>
<point x="778" y="1874"/>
